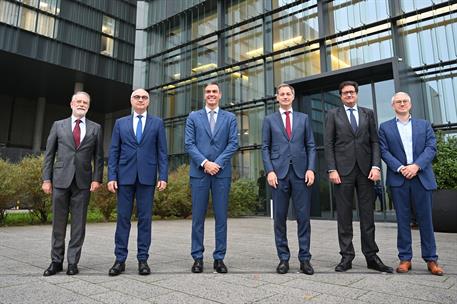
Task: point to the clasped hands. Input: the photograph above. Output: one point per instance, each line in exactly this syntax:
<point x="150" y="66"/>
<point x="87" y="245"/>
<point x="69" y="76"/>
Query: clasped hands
<point x="410" y="171"/>
<point x="211" y="167"/>
<point x="272" y="179"/>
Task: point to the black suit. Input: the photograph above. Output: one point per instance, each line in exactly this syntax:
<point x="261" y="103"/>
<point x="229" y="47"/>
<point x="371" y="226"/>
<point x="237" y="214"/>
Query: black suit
<point x="352" y="155"/>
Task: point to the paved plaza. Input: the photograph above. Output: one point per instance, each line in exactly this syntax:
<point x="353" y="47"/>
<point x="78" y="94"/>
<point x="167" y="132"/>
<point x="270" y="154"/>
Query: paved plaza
<point x="251" y="259"/>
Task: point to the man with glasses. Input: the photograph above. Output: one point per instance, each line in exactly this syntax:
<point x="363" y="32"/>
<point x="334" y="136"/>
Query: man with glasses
<point x="411" y="179"/>
<point x="138" y="152"/>
<point x="353" y="163"/>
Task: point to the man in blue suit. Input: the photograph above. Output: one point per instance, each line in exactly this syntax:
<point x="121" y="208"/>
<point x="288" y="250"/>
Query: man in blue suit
<point x="408" y="147"/>
<point x="138" y="150"/>
<point x="289" y="157"/>
<point x="211" y="140"/>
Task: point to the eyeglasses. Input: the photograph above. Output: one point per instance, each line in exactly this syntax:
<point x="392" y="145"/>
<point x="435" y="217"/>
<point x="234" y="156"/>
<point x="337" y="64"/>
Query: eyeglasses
<point x="349" y="93"/>
<point x="404" y="101"/>
<point x="138" y="97"/>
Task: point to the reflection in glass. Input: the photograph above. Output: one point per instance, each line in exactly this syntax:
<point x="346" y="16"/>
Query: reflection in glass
<point x="108" y="25"/>
<point x="384" y="91"/>
<point x="250" y="126"/>
<point x="45" y="25"/>
<point x="107" y="46"/>
<point x="240" y="10"/>
<point x="295" y="65"/>
<point x="50" y="6"/>
<point x="9" y="12"/>
<point x="27" y="19"/>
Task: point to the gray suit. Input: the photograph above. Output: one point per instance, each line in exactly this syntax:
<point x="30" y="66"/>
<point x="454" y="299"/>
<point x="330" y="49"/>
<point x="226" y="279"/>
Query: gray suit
<point x="70" y="171"/>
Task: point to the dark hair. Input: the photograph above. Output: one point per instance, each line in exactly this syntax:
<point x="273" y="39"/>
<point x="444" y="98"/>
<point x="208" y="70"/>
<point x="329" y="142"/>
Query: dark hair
<point x="348" y="83"/>
<point x="211" y="83"/>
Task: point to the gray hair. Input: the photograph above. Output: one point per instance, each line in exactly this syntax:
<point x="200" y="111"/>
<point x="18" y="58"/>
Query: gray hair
<point x="80" y="93"/>
<point x="401" y="93"/>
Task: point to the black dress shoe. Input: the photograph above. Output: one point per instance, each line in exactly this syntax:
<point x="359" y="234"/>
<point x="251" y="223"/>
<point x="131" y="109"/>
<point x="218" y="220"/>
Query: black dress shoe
<point x="117" y="269"/>
<point x="306" y="267"/>
<point x="343" y="266"/>
<point x="72" y="269"/>
<point x="53" y="268"/>
<point x="197" y="267"/>
<point x="283" y="267"/>
<point x="143" y="268"/>
<point x="376" y="264"/>
<point x="219" y="266"/>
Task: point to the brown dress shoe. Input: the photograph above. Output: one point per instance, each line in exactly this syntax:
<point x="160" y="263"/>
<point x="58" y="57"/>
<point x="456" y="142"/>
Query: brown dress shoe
<point x="404" y="267"/>
<point x="434" y="268"/>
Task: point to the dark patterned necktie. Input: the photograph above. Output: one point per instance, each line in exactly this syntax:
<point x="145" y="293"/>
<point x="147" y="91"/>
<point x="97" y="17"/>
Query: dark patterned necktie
<point x="77" y="134"/>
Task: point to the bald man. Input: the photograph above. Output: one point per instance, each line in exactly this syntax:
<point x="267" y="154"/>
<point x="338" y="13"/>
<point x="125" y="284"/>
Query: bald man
<point x="137" y="164"/>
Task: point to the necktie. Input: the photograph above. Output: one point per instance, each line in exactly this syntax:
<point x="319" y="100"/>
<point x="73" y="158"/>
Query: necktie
<point x="352" y="119"/>
<point x="212" y="121"/>
<point x="77" y="133"/>
<point x="139" y="129"/>
<point x="288" y="126"/>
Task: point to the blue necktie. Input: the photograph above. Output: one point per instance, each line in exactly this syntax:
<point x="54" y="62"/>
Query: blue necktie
<point x="352" y="119"/>
<point x="139" y="129"/>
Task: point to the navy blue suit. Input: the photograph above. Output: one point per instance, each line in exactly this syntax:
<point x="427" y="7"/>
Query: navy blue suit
<point x="417" y="190"/>
<point x="134" y="166"/>
<point x="290" y="159"/>
<point x="218" y="147"/>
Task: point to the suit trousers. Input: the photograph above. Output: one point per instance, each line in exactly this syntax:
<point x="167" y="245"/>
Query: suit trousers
<point x="295" y="187"/>
<point x="344" y="196"/>
<point x="220" y="188"/>
<point x="413" y="192"/>
<point x="144" y="195"/>
<point x="67" y="201"/>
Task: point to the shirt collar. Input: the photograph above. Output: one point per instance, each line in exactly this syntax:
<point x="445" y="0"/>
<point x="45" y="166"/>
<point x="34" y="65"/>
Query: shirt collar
<point x="74" y="118"/>
<point x="135" y="114"/>
<point x="282" y="111"/>
<point x="216" y="110"/>
<point x="346" y="108"/>
<point x="398" y="119"/>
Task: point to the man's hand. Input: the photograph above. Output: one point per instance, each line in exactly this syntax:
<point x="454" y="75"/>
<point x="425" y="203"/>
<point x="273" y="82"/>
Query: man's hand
<point x="94" y="186"/>
<point x="211" y="168"/>
<point x="410" y="171"/>
<point x="375" y="174"/>
<point x="47" y="187"/>
<point x="309" y="178"/>
<point x="161" y="185"/>
<point x="112" y="186"/>
<point x="334" y="177"/>
<point x="272" y="179"/>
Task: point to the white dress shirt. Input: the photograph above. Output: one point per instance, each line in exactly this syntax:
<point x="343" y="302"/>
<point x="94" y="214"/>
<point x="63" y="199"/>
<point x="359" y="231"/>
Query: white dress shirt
<point x="135" y="121"/>
<point x="283" y="116"/>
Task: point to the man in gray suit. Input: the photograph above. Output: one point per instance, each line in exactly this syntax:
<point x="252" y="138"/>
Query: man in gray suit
<point x="72" y="145"/>
<point x="353" y="162"/>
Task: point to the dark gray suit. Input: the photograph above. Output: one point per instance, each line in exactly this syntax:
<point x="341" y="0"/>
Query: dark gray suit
<point x="70" y="171"/>
<point x="353" y="154"/>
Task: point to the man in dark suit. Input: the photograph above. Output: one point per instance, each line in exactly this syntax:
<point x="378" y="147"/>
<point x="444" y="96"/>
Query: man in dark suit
<point x="211" y="140"/>
<point x="138" y="150"/>
<point x="72" y="145"/>
<point x="353" y="160"/>
<point x="408" y="147"/>
<point x="289" y="158"/>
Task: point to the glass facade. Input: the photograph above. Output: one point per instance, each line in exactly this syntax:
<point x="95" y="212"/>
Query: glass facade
<point x="250" y="46"/>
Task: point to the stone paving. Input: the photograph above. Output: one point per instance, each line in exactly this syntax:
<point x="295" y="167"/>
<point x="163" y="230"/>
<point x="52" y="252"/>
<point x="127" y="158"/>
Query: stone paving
<point x="251" y="259"/>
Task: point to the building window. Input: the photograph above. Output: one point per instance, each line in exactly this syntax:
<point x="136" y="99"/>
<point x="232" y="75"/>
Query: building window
<point x="108" y="30"/>
<point x="9" y="12"/>
<point x="27" y="19"/>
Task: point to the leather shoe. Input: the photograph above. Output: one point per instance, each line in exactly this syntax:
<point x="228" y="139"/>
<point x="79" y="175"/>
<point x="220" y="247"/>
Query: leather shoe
<point x="376" y="264"/>
<point x="343" y="266"/>
<point x="53" y="268"/>
<point x="404" y="267"/>
<point x="72" y="269"/>
<point x="219" y="266"/>
<point x="283" y="267"/>
<point x="433" y="267"/>
<point x="306" y="268"/>
<point x="143" y="268"/>
<point x="117" y="269"/>
<point x="197" y="267"/>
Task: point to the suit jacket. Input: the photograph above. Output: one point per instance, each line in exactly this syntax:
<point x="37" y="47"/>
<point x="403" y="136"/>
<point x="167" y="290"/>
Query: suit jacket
<point x="218" y="147"/>
<point x="63" y="162"/>
<point x="393" y="152"/>
<point x="129" y="159"/>
<point x="278" y="151"/>
<point x="344" y="149"/>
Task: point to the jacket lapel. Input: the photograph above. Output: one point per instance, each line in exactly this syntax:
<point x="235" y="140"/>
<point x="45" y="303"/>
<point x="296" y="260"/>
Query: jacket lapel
<point x="89" y="131"/>
<point x="66" y="126"/>
<point x="280" y="123"/>
<point x="396" y="133"/>
<point x="342" y="115"/>
<point x="205" y="122"/>
<point x="219" y="122"/>
<point x="130" y="127"/>
<point x="146" y="128"/>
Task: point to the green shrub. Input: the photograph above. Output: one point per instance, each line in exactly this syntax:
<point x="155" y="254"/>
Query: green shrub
<point x="175" y="200"/>
<point x="243" y="197"/>
<point x="28" y="187"/>
<point x="103" y="200"/>
<point x="445" y="163"/>
<point x="8" y="174"/>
